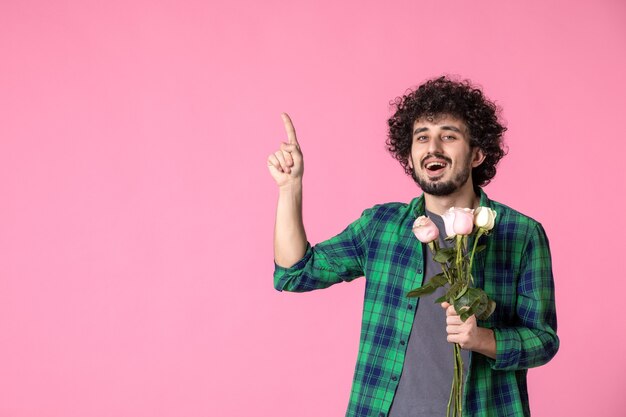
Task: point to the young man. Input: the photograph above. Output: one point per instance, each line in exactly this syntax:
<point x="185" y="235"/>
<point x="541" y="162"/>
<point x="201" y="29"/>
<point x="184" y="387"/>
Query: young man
<point x="447" y="136"/>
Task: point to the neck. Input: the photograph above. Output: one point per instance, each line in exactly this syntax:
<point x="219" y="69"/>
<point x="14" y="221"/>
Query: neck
<point x="463" y="197"/>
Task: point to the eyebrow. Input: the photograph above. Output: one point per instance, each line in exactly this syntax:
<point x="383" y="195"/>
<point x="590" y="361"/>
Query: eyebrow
<point x="445" y="127"/>
<point x="452" y="128"/>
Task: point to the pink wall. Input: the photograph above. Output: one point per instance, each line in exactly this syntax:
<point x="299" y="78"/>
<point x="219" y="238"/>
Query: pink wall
<point x="136" y="210"/>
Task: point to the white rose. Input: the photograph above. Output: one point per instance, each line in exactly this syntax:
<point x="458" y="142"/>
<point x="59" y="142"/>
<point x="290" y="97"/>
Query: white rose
<point x="484" y="218"/>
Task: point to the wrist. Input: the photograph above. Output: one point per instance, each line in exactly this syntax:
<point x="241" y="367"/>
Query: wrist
<point x="291" y="188"/>
<point x="487" y="342"/>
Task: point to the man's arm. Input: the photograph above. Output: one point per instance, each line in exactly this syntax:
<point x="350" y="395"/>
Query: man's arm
<point x="533" y="341"/>
<point x="300" y="267"/>
<point x="286" y="167"/>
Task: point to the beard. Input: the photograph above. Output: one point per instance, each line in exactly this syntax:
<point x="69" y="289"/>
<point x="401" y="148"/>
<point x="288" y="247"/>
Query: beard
<point x="442" y="188"/>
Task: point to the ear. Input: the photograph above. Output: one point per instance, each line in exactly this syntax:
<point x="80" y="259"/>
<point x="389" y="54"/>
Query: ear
<point x="478" y="158"/>
<point x="411" y="161"/>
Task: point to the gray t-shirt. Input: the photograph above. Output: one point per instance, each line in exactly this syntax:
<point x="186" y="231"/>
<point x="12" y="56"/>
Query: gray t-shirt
<point x="424" y="387"/>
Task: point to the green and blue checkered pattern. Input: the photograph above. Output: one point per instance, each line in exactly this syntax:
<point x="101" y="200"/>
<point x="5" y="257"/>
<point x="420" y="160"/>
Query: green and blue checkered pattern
<point x="515" y="270"/>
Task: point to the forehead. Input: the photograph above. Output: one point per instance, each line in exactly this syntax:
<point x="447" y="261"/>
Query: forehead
<point x="439" y="121"/>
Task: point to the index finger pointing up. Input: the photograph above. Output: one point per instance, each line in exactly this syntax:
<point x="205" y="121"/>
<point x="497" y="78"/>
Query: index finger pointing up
<point x="291" y="131"/>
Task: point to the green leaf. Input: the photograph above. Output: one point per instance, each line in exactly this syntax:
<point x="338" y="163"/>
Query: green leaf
<point x="450" y="294"/>
<point x="480" y="248"/>
<point x="466" y="314"/>
<point x="442" y="299"/>
<point x="472" y="301"/>
<point x="460" y="290"/>
<point x="452" y="271"/>
<point x="462" y="301"/>
<point x="491" y="307"/>
<point x="444" y="255"/>
<point x="433" y="283"/>
<point x="480" y="308"/>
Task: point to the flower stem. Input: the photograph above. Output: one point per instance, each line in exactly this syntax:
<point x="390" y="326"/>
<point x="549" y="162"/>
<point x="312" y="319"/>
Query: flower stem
<point x="456" y="392"/>
<point x="471" y="262"/>
<point x="459" y="380"/>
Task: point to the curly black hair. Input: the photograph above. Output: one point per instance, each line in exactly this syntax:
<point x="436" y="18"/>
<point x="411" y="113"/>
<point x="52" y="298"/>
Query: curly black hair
<point x="460" y="99"/>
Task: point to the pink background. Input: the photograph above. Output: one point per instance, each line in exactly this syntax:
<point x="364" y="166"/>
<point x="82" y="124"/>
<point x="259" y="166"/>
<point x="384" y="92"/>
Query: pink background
<point x="136" y="211"/>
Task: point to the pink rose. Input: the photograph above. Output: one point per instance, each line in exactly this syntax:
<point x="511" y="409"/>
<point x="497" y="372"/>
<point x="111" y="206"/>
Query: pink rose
<point x="463" y="221"/>
<point x="458" y="221"/>
<point x="425" y="230"/>
<point x="448" y="221"/>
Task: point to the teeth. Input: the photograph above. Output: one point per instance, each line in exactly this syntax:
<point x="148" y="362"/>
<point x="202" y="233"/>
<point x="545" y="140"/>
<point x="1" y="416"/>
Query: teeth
<point x="435" y="164"/>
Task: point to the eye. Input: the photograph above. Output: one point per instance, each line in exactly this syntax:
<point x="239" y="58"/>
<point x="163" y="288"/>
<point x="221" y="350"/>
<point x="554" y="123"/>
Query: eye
<point x="448" y="138"/>
<point x="421" y="138"/>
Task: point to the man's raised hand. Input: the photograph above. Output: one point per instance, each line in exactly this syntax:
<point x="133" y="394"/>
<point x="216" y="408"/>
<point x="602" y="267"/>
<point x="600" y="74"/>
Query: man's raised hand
<point x="286" y="165"/>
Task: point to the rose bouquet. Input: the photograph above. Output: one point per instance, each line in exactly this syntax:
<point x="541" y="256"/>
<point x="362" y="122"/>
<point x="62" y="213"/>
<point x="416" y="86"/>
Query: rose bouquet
<point x="456" y="264"/>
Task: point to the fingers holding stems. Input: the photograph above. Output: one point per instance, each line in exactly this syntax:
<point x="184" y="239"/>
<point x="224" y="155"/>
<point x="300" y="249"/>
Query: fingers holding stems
<point x="459" y="331"/>
<point x="468" y="334"/>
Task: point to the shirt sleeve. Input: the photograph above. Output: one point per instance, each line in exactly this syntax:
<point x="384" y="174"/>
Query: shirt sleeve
<point x="340" y="258"/>
<point x="534" y="341"/>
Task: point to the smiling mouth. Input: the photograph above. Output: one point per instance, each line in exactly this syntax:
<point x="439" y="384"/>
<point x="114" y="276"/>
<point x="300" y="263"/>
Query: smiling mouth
<point x="435" y="168"/>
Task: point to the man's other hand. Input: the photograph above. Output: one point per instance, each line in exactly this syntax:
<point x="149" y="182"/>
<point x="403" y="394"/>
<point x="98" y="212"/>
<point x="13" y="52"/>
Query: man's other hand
<point x="286" y="165"/>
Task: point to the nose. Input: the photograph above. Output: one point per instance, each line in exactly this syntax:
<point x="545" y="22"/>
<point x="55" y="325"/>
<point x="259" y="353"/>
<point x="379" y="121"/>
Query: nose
<point x="434" y="146"/>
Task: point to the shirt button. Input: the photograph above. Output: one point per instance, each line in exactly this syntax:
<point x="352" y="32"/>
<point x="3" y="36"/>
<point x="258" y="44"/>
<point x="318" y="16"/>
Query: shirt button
<point x="402" y="342"/>
<point x="410" y="307"/>
<point x="394" y="378"/>
<point x="381" y="414"/>
<point x="419" y="271"/>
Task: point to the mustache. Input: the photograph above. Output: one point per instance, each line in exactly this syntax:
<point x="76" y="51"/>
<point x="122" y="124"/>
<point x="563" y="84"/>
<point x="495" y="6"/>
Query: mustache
<point x="435" y="155"/>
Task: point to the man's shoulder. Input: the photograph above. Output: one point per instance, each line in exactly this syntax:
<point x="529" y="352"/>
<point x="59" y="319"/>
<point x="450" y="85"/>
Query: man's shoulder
<point x="512" y="219"/>
<point x="385" y="217"/>
<point x="389" y="211"/>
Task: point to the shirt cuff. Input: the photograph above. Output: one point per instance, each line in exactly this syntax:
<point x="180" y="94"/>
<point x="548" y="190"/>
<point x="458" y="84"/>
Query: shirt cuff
<point x="508" y="349"/>
<point x="279" y="270"/>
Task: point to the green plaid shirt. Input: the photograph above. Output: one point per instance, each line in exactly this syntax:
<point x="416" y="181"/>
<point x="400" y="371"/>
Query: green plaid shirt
<point x="515" y="270"/>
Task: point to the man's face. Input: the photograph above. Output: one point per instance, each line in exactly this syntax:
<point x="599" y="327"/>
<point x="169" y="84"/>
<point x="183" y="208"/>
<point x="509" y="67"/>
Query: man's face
<point x="441" y="157"/>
